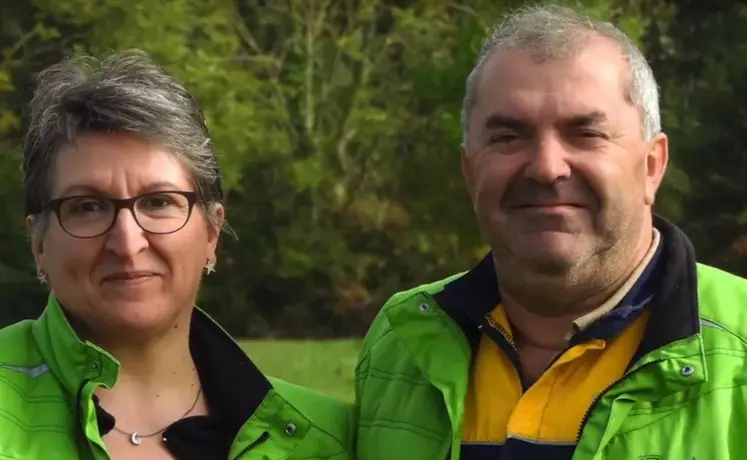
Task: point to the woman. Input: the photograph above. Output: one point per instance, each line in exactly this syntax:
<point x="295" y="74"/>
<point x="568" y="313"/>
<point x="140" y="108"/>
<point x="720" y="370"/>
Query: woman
<point x="124" y="211"/>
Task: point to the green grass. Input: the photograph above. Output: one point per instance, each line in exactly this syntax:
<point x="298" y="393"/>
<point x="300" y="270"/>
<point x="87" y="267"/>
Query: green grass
<point x="325" y="365"/>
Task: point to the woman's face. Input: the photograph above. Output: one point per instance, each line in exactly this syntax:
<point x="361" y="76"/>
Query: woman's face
<point x="127" y="280"/>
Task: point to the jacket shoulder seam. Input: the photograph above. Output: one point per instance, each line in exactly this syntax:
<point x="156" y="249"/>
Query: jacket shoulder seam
<point x="707" y="322"/>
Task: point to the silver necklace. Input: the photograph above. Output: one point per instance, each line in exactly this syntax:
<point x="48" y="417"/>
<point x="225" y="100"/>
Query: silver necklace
<point x="136" y="438"/>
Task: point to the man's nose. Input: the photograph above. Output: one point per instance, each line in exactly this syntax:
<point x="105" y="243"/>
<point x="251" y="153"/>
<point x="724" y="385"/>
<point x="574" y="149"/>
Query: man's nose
<point x="547" y="161"/>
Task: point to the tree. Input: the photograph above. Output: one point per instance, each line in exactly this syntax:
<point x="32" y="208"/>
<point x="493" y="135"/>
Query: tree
<point x="694" y="47"/>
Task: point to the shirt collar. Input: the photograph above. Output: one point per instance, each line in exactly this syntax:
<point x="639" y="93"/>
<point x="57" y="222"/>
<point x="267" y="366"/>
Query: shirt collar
<point x="586" y="320"/>
<point x="670" y="277"/>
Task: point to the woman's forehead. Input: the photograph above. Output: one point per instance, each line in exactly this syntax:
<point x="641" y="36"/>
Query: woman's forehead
<point x="117" y="164"/>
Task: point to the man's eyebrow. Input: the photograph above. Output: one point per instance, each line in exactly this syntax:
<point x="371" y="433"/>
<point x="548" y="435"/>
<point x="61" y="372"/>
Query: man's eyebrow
<point x="587" y="119"/>
<point x="498" y="120"/>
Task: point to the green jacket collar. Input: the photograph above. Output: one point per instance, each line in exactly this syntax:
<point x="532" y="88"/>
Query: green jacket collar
<point x="70" y="359"/>
<point x="234" y="387"/>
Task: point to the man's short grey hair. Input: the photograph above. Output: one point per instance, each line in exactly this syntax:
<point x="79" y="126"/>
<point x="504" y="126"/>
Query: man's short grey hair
<point x="124" y="93"/>
<point x="552" y="32"/>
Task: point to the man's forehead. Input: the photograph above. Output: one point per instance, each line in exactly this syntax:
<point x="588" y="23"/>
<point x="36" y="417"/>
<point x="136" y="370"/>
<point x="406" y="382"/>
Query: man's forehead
<point x="514" y="84"/>
<point x="550" y="107"/>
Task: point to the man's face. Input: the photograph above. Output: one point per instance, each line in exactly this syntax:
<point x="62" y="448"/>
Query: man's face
<point x="555" y="160"/>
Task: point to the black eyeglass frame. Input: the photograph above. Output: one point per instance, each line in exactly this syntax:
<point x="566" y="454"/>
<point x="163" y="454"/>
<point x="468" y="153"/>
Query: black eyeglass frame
<point x="123" y="203"/>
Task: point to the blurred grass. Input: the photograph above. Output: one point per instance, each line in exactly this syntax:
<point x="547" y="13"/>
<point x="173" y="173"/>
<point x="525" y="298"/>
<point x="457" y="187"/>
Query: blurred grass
<point x="325" y="365"/>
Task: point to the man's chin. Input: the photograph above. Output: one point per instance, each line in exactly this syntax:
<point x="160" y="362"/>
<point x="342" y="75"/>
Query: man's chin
<point x="551" y="267"/>
<point x="550" y="258"/>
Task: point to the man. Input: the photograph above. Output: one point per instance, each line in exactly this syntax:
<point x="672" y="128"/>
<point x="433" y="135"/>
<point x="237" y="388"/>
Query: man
<point x="589" y="331"/>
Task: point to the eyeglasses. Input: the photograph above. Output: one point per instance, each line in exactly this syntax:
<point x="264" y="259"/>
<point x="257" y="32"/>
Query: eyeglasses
<point x="87" y="216"/>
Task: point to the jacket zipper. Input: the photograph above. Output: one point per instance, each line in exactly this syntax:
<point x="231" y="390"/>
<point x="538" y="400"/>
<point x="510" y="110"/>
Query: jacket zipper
<point x="261" y="439"/>
<point x="599" y="395"/>
<point x="591" y="407"/>
<point x="508" y="347"/>
<point x="519" y="372"/>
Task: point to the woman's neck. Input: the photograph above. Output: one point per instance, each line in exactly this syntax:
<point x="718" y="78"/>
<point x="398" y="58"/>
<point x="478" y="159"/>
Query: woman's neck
<point x="163" y="363"/>
<point x="153" y="369"/>
<point x="156" y="358"/>
<point x="158" y="384"/>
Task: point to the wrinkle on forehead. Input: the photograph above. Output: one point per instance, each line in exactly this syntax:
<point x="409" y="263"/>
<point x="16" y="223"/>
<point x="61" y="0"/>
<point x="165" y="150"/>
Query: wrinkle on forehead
<point x="120" y="165"/>
<point x="593" y="80"/>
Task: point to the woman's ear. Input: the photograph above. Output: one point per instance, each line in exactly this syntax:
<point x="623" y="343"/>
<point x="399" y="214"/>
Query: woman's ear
<point x="215" y="224"/>
<point x="37" y="240"/>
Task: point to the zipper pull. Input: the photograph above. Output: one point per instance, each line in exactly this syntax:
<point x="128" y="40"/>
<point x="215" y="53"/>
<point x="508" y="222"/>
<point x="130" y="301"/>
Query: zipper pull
<point x="260" y="440"/>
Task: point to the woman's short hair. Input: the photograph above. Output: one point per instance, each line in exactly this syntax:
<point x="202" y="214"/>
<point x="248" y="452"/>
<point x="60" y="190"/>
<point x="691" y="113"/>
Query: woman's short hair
<point x="124" y="93"/>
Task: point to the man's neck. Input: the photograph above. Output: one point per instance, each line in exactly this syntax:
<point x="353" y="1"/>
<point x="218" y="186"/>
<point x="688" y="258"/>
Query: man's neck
<point x="541" y="335"/>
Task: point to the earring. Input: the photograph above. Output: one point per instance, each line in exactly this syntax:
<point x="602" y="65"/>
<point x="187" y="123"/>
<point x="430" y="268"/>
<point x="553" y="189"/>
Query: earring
<point x="209" y="267"/>
<point x="41" y="275"/>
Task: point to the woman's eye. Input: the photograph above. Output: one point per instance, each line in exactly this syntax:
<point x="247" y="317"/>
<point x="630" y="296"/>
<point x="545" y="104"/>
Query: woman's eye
<point x="158" y="202"/>
<point x="87" y="206"/>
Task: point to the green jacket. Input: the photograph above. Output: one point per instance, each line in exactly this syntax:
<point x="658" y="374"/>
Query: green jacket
<point x="47" y="410"/>
<point x="683" y="397"/>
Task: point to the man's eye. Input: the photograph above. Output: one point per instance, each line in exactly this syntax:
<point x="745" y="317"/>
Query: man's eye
<point x="591" y="134"/>
<point x="503" y="138"/>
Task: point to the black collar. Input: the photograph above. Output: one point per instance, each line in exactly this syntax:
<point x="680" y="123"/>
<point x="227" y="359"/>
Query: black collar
<point x="674" y="307"/>
<point x="233" y="387"/>
<point x="674" y="313"/>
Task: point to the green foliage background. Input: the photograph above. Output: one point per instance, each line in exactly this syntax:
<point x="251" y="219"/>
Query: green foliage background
<point x="337" y="125"/>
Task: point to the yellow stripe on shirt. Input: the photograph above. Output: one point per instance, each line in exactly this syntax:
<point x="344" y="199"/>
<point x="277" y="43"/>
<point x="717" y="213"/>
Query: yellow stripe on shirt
<point x="552" y="409"/>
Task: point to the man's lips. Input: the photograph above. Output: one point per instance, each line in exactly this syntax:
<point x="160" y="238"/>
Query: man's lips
<point x="547" y="205"/>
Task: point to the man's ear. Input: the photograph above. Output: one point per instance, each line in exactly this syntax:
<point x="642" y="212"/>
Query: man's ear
<point x="655" y="163"/>
<point x="467" y="170"/>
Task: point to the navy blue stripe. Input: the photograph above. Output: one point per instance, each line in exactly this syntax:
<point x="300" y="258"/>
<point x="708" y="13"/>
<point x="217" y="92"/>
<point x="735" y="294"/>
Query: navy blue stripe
<point x="517" y="449"/>
<point x="480" y="451"/>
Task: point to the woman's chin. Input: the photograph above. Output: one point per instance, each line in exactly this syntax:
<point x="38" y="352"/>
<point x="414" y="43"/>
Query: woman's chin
<point x="141" y="316"/>
<point x="131" y="288"/>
